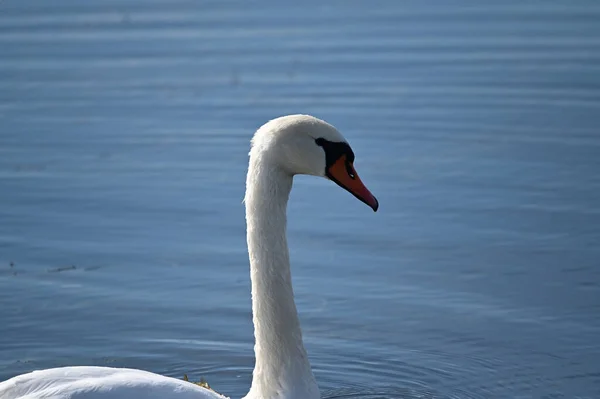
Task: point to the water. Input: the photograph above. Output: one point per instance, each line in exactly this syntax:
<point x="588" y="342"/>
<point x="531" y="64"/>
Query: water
<point x="124" y="133"/>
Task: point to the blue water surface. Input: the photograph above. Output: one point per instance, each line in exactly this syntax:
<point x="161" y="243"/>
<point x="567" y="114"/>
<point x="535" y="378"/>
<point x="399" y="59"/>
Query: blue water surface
<point x="124" y="135"/>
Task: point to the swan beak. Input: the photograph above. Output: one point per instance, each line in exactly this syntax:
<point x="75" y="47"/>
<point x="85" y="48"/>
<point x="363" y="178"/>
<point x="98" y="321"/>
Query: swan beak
<point x="343" y="173"/>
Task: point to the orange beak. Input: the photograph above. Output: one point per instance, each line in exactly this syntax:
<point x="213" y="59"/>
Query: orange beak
<point x="342" y="172"/>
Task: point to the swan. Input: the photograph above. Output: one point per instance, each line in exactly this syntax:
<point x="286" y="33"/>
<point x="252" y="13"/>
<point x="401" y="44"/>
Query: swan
<point x="281" y="148"/>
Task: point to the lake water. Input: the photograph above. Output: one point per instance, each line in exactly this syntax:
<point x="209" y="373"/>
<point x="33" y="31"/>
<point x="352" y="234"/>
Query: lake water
<point x="124" y="134"/>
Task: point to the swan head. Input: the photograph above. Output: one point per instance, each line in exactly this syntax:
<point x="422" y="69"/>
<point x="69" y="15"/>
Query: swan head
<point x="303" y="144"/>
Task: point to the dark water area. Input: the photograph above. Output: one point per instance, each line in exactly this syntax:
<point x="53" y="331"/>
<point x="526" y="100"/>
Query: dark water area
<point x="124" y="135"/>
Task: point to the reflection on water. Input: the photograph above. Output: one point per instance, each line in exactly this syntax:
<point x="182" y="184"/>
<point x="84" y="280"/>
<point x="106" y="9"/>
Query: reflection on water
<point x="124" y="133"/>
<point x="379" y="393"/>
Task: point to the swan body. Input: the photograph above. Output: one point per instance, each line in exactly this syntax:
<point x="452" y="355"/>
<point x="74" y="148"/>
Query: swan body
<point x="100" y="383"/>
<point x="282" y="148"/>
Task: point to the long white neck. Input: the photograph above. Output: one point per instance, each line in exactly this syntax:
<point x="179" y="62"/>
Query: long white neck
<point x="282" y="369"/>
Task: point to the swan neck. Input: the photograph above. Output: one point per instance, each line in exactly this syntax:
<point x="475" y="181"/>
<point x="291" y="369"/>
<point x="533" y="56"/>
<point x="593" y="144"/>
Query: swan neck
<point x="282" y="369"/>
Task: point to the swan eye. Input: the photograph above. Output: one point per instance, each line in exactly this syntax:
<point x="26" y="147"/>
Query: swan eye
<point x="350" y="170"/>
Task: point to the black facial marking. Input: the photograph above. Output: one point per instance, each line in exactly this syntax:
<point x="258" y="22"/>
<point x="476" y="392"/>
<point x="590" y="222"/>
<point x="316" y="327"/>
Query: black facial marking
<point x="333" y="152"/>
<point x="350" y="171"/>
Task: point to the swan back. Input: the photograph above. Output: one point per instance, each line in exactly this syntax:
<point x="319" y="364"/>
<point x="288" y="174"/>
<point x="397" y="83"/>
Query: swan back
<point x="85" y="382"/>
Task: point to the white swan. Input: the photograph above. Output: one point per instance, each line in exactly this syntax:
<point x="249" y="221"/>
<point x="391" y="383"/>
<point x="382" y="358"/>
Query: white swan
<point x="282" y="148"/>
